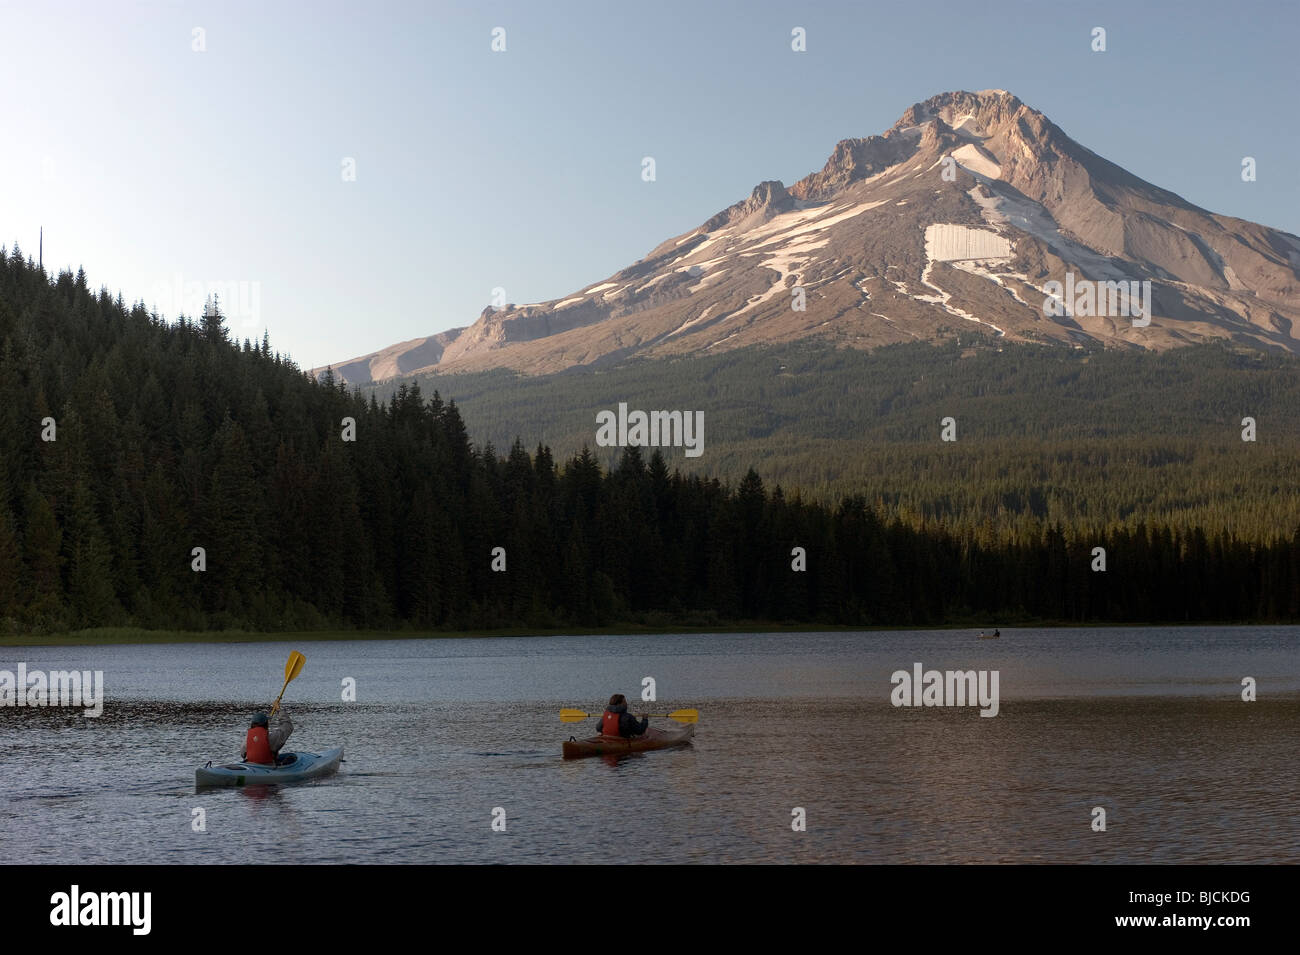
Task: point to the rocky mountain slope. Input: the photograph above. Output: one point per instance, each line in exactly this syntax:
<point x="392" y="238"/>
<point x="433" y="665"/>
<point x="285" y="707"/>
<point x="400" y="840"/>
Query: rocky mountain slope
<point x="954" y="222"/>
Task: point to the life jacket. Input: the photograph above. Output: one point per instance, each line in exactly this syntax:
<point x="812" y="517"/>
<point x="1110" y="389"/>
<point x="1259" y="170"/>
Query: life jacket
<point x="257" y="747"/>
<point x="609" y="723"/>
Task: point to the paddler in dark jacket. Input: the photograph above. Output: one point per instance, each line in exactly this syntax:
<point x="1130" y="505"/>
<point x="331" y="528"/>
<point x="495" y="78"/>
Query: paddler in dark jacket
<point x="617" y="721"/>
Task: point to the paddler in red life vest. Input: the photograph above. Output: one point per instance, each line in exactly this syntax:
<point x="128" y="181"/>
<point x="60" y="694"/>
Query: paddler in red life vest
<point x="617" y="721"/>
<point x="263" y="741"/>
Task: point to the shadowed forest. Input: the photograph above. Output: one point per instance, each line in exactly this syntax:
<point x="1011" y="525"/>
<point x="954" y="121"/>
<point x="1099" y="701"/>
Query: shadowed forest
<point x="173" y="436"/>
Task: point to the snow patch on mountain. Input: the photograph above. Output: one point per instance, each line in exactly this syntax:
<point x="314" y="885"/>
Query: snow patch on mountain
<point x="783" y="263"/>
<point x="787" y="220"/>
<point x="967" y="126"/>
<point x="694" y="321"/>
<point x="974" y="268"/>
<point x="948" y="242"/>
<point x="654" y="281"/>
<point x="707" y="281"/>
<point x="820" y="223"/>
<point x="1001" y="211"/>
<point x="974" y="159"/>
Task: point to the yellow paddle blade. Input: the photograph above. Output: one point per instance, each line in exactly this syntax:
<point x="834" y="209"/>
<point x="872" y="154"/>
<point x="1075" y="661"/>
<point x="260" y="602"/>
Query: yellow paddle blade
<point x="291" y="669"/>
<point x="685" y="716"/>
<point x="572" y="716"/>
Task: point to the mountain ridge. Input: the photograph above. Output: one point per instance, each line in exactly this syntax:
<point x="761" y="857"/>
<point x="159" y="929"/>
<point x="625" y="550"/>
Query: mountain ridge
<point x="956" y="219"/>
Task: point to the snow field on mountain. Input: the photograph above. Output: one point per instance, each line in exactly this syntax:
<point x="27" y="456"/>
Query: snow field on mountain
<point x="1001" y="211"/>
<point x="973" y="159"/>
<point x="948" y="242"/>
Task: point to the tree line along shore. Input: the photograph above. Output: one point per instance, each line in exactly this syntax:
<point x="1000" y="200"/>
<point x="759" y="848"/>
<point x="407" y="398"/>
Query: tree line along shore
<point x="172" y="436"/>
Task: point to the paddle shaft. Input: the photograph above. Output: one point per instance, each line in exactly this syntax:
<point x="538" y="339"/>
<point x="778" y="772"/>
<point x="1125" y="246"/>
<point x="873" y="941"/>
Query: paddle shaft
<point x="681" y="716"/>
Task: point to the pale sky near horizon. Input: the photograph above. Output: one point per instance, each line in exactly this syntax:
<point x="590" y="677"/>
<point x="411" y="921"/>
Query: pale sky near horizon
<point x="154" y="165"/>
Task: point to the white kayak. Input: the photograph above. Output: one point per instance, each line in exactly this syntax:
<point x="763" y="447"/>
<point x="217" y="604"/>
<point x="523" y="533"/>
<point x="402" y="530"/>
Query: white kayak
<point x="292" y="768"/>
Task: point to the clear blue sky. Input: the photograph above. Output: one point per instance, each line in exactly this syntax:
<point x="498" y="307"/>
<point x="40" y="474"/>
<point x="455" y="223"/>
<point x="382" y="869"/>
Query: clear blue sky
<point x="146" y="160"/>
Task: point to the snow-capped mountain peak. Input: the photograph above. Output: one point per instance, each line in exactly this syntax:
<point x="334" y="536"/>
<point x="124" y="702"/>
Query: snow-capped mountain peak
<point x="968" y="214"/>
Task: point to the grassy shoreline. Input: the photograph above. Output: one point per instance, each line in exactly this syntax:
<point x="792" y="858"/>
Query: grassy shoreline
<point x="110" y="636"/>
<point x="113" y="636"/>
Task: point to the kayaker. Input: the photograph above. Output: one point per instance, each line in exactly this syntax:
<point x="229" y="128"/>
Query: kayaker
<point x="264" y="740"/>
<point x="617" y="721"/>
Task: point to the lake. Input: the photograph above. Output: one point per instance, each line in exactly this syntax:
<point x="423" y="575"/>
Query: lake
<point x="1146" y="723"/>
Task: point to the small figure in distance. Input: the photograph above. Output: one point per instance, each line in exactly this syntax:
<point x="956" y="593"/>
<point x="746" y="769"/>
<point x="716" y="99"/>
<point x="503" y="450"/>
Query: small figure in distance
<point x="997" y="633"/>
<point x="617" y="721"/>
<point x="263" y="742"/>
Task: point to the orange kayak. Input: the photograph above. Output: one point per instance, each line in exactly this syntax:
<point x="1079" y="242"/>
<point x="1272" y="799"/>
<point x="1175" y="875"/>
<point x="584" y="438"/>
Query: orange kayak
<point x="616" y="746"/>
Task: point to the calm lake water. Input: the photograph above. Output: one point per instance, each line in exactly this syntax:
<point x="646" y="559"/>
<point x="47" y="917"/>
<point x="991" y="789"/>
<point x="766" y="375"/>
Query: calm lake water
<point x="1147" y="723"/>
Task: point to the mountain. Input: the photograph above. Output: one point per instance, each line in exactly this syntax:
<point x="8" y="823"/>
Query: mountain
<point x="401" y="359"/>
<point x="954" y="221"/>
